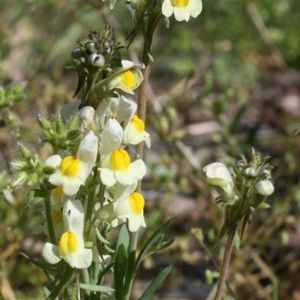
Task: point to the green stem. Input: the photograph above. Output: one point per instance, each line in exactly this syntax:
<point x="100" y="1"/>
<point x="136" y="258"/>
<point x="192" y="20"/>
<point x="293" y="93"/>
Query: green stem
<point x="50" y="225"/>
<point x="60" y="287"/>
<point x="225" y="265"/>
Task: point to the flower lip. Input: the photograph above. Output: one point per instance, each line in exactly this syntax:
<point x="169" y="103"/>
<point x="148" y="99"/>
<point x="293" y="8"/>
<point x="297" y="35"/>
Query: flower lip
<point x="120" y="160"/>
<point x="137" y="202"/>
<point x="180" y="3"/>
<point x="138" y="123"/>
<point x="128" y="78"/>
<point x="68" y="243"/>
<point x="69" y="166"/>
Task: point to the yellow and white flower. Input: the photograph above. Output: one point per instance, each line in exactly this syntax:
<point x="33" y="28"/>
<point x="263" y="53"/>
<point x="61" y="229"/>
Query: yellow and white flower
<point x="218" y="174"/>
<point x="129" y="206"/>
<point x="71" y="244"/>
<point x="135" y="133"/>
<point x="72" y="171"/>
<point x="117" y="167"/>
<point x="128" y="78"/>
<point x="182" y="9"/>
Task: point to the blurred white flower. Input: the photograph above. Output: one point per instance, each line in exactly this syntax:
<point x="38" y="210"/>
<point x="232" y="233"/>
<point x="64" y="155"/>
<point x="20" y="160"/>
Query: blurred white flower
<point x="218" y="174"/>
<point x="128" y="78"/>
<point x="72" y="171"/>
<point x="264" y="187"/>
<point x="71" y="244"/>
<point x="182" y="9"/>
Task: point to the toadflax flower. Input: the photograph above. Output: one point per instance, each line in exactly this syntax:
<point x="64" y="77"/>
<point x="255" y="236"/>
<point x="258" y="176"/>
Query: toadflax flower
<point x="72" y="171"/>
<point x="264" y="187"/>
<point x="218" y="174"/>
<point x="116" y="164"/>
<point x="182" y="9"/>
<point x="135" y="133"/>
<point x="128" y="78"/>
<point x="118" y="167"/>
<point x="129" y="206"/>
<point x="71" y="244"/>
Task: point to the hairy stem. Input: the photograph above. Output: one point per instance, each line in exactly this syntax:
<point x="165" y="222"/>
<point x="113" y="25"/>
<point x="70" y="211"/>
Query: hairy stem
<point x="225" y="265"/>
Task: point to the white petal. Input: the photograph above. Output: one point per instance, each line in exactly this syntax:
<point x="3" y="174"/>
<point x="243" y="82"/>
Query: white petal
<point x="53" y="161"/>
<point x="71" y="185"/>
<point x="167" y="8"/>
<point x="138" y="168"/>
<point x="102" y="110"/>
<point x="127" y="64"/>
<point x="80" y="259"/>
<point x="126" y="177"/>
<point x="84" y="171"/>
<point x="88" y="148"/>
<point x="181" y="14"/>
<point x="57" y="178"/>
<point x="51" y="253"/>
<point x="107" y="177"/>
<point x="136" y="222"/>
<point x="195" y="8"/>
<point x="125" y="110"/>
<point x="111" y="137"/>
<point x="74" y="219"/>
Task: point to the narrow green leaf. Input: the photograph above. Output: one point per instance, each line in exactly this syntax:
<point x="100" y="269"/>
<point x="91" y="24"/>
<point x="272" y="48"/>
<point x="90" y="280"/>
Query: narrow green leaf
<point x="123" y="238"/>
<point x="96" y="288"/>
<point x="155" y="284"/>
<point x="120" y="269"/>
<point x="157" y="238"/>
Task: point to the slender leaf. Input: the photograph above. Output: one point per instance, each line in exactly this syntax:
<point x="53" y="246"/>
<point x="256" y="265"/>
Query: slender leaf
<point x="120" y="269"/>
<point x="155" y="284"/>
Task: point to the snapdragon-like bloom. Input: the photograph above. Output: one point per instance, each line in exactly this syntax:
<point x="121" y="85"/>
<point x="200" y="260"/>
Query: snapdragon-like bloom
<point x="129" y="206"/>
<point x="218" y="174"/>
<point x="118" y="167"/>
<point x="116" y="164"/>
<point x="128" y="78"/>
<point x="71" y="244"/>
<point x="182" y="9"/>
<point x="135" y="133"/>
<point x="72" y="171"/>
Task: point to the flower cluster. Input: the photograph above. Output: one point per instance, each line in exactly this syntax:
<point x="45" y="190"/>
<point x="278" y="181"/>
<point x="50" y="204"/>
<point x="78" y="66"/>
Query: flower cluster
<point x="103" y="174"/>
<point x="243" y="188"/>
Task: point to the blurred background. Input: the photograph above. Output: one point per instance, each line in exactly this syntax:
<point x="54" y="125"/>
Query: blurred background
<point x="220" y="84"/>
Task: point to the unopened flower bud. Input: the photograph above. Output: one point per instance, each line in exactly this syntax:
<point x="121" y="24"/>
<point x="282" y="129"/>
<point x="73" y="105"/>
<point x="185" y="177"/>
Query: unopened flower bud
<point x="96" y="60"/>
<point x="90" y="46"/>
<point x="76" y="53"/>
<point x="252" y="172"/>
<point x="87" y="113"/>
<point x="264" y="187"/>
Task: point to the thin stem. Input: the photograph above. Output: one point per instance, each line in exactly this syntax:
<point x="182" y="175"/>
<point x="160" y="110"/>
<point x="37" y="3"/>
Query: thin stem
<point x="49" y="220"/>
<point x="225" y="265"/>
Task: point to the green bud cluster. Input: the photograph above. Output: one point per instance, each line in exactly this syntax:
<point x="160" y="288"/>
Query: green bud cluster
<point x="28" y="169"/>
<point x="60" y="135"/>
